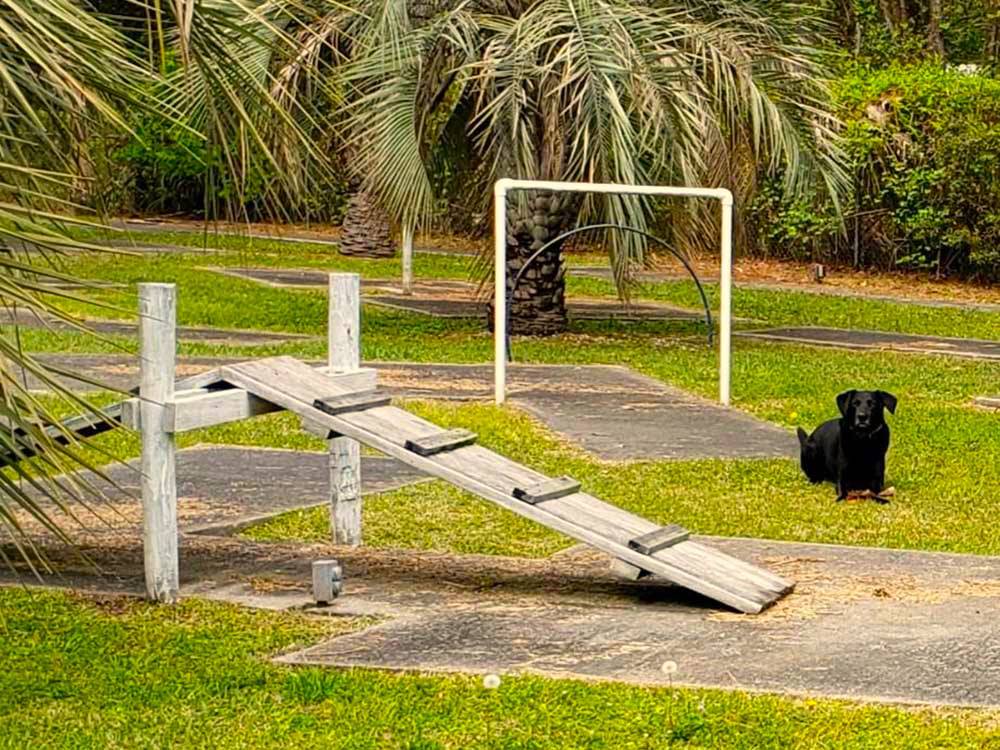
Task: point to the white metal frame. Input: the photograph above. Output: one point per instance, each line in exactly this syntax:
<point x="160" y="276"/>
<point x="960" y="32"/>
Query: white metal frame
<point x="504" y="186"/>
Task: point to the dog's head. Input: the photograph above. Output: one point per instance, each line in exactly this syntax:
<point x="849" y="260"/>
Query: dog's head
<point x="864" y="411"/>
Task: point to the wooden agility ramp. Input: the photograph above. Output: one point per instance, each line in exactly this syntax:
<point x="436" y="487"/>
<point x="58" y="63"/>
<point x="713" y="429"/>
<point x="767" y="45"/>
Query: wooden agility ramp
<point x="333" y="407"/>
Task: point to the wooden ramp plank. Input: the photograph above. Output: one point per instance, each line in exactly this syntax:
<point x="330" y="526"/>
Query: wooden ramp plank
<point x="294" y="386"/>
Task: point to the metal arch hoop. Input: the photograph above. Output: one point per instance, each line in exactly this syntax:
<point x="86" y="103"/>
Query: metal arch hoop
<point x="587" y="228"/>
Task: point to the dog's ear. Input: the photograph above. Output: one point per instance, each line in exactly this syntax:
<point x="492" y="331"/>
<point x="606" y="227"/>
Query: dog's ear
<point x="888" y="401"/>
<point x="844" y="399"/>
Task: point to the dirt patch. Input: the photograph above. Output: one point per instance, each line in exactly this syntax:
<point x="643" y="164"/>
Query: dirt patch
<point x="818" y="592"/>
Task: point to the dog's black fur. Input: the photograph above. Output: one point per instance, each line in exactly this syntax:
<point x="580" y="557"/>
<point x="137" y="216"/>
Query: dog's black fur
<point x="850" y="451"/>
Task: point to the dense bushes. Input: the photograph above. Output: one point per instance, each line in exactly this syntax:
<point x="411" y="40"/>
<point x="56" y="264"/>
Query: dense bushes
<point x="924" y="146"/>
<point x="167" y="168"/>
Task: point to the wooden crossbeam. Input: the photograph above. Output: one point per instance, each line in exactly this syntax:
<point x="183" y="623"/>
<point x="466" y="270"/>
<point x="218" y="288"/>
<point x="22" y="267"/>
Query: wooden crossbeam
<point x="550" y="489"/>
<point x="334" y="405"/>
<point x="439" y="442"/>
<point x="654" y="541"/>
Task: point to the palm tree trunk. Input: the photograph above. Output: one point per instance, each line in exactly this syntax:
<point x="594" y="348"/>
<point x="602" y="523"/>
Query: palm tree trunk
<point x="366" y="231"/>
<point x="538" y="307"/>
<point x="934" y="37"/>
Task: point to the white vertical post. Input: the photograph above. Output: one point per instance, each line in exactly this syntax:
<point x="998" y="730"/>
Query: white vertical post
<point x="344" y="355"/>
<point x="157" y="360"/>
<point x="407" y="259"/>
<point x="500" y="291"/>
<point x="726" y="299"/>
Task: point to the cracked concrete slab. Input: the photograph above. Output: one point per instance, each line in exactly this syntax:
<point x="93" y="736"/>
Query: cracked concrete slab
<point x="222" y="489"/>
<point x="657" y="276"/>
<point x="457" y="299"/>
<point x="863" y="624"/>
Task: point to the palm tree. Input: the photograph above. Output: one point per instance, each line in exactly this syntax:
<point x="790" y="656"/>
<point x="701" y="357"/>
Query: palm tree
<point x="67" y="74"/>
<point x="366" y="231"/>
<point x="583" y="90"/>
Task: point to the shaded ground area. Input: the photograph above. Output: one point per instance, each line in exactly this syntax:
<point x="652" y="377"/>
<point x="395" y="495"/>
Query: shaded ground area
<point x="860" y="340"/>
<point x="612" y="412"/>
<point x="223" y="489"/>
<point x="457" y="299"/>
<point x="862" y="623"/>
<point x="221" y="336"/>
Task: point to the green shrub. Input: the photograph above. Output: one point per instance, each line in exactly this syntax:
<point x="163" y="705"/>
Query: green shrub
<point x="924" y="146"/>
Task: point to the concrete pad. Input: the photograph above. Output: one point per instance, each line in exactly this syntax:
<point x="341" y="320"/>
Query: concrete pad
<point x="658" y="276"/>
<point x="863" y="624"/>
<point x="612" y="412"/>
<point x="457" y="299"/>
<point x="576" y="309"/>
<point x="840" y="338"/>
<point x="221" y="489"/>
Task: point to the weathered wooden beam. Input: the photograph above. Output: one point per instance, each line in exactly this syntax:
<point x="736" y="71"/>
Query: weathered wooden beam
<point x="344" y="355"/>
<point x="439" y="442"/>
<point x="550" y="489"/>
<point x="988" y="402"/>
<point x="659" y="539"/>
<point x="195" y="408"/>
<point x="157" y="361"/>
<point x="191" y="412"/>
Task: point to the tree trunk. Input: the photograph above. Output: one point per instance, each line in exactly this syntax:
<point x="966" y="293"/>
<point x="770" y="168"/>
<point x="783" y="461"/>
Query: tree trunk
<point x="366" y="231"/>
<point x="893" y="13"/>
<point x="934" y="37"/>
<point x="538" y="307"/>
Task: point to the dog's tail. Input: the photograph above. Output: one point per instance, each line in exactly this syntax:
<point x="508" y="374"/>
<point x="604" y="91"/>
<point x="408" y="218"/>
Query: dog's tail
<point x="810" y="460"/>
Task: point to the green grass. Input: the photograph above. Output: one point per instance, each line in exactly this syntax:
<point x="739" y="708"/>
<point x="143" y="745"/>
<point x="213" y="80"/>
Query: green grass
<point x="209" y="299"/>
<point x="78" y="673"/>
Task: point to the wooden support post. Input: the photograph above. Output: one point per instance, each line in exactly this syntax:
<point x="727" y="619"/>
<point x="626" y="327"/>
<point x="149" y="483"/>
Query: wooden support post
<point x="344" y="355"/>
<point x="157" y="360"/>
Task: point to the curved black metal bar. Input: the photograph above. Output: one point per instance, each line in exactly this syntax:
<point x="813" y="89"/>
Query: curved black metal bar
<point x="587" y="228"/>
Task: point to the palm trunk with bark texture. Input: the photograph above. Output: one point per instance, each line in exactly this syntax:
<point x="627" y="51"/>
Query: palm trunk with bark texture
<point x="366" y="231"/>
<point x="538" y="307"/>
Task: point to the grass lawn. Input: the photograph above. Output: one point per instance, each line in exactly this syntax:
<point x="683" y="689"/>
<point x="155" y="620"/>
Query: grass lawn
<point x="247" y="304"/>
<point x="75" y="673"/>
<point x="945" y="460"/>
<point x="79" y="673"/>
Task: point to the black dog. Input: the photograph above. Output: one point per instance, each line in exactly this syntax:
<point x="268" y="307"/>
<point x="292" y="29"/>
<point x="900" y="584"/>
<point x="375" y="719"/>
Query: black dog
<point x="850" y="451"/>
